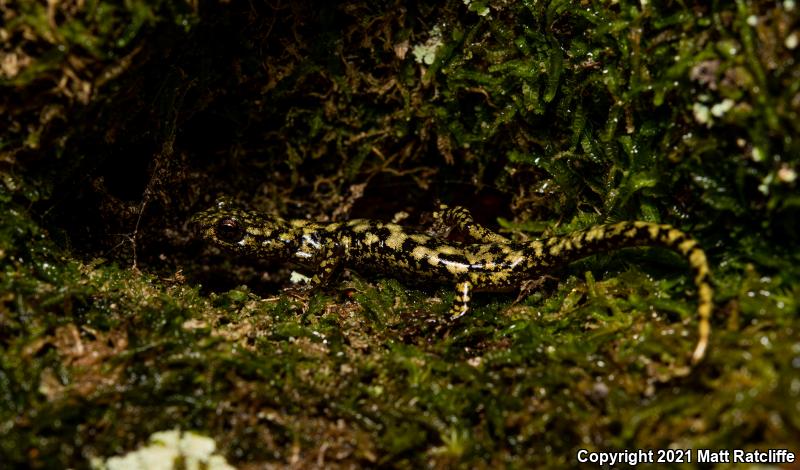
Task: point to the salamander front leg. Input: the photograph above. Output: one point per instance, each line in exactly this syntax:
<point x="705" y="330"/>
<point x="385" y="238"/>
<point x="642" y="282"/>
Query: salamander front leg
<point x="326" y="269"/>
<point x="447" y="218"/>
<point x="461" y="304"/>
<point x="326" y="264"/>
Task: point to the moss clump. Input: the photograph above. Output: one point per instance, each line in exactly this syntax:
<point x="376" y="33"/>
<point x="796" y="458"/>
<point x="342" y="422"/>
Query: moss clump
<point x="122" y="120"/>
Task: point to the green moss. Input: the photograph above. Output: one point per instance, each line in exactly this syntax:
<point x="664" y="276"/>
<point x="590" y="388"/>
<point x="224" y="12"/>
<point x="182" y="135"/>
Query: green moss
<point x="122" y="120"/>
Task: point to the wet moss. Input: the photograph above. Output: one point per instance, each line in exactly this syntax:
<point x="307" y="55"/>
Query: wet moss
<point x="121" y="121"/>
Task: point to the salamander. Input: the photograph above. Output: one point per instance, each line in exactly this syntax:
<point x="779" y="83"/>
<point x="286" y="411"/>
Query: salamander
<point x="486" y="261"/>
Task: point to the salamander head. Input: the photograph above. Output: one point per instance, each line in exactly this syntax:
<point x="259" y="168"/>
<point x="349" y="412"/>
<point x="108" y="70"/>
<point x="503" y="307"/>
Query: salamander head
<point x="243" y="232"/>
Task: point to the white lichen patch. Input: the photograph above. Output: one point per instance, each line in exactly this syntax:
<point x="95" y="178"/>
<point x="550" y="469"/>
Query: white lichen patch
<point x="765" y="184"/>
<point x="757" y="154"/>
<point x="426" y="53"/>
<point x="787" y="174"/>
<point x="12" y="63"/>
<point x="298" y="278"/>
<point x="169" y="450"/>
<point x="701" y="113"/>
<point x="719" y="109"/>
<point x="704" y="114"/>
<point x="791" y="41"/>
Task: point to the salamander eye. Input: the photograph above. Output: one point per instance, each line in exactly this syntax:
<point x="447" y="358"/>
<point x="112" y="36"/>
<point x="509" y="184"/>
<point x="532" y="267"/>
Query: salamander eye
<point x="230" y="230"/>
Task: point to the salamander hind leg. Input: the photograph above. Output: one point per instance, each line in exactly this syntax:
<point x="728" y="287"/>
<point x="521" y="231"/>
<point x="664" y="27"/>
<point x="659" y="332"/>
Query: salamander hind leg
<point x="328" y="265"/>
<point x="459" y="217"/>
<point x="461" y="303"/>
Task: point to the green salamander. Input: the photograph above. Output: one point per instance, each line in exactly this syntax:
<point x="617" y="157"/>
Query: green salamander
<point x="488" y="262"/>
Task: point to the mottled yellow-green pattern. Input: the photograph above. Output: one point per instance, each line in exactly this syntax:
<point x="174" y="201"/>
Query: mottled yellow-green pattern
<point x="490" y="262"/>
